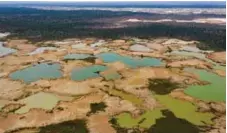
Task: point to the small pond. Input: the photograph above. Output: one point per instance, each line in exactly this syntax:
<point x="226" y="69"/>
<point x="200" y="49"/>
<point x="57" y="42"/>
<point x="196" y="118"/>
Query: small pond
<point x="130" y="61"/>
<point x="5" y="51"/>
<point x="36" y="72"/>
<point x="215" y="91"/>
<point x="87" y="72"/>
<point x="79" y="46"/>
<point x="41" y="50"/>
<point x="41" y="100"/>
<point x="97" y="44"/>
<point x="76" y="56"/>
<point x="139" y="48"/>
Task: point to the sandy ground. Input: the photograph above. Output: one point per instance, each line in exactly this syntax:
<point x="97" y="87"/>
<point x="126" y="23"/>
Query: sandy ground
<point x="219" y="57"/>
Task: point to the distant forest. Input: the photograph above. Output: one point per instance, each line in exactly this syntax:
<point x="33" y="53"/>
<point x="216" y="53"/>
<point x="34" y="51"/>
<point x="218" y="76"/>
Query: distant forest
<point x="37" y="25"/>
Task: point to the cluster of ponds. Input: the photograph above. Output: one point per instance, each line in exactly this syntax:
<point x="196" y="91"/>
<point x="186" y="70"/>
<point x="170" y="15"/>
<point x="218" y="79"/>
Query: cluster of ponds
<point x="199" y="56"/>
<point x="215" y="91"/>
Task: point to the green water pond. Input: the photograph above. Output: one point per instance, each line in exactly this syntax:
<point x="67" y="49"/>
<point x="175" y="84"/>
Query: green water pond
<point x="130" y="61"/>
<point x="181" y="109"/>
<point x="36" y="72"/>
<point x="126" y="96"/>
<point x="215" y="91"/>
<point x="87" y="72"/>
<point x="41" y="100"/>
<point x="112" y="76"/>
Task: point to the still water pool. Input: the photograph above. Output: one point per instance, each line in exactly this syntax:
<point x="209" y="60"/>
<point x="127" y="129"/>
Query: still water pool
<point x="36" y="72"/>
<point x="130" y="61"/>
<point x="87" y="72"/>
<point x="215" y="91"/>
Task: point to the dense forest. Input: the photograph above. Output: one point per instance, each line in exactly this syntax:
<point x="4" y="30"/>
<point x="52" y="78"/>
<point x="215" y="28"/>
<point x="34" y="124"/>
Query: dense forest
<point x="37" y="25"/>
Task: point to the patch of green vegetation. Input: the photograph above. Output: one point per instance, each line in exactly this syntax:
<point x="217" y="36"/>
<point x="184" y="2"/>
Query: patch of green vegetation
<point x="75" y="126"/>
<point x="90" y="59"/>
<point x="96" y="107"/>
<point x="162" y="86"/>
<point x="46" y="45"/>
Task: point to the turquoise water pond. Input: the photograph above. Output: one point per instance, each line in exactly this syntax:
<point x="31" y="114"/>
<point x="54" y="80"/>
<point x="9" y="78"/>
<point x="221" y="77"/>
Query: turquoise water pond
<point x="215" y="91"/>
<point x="130" y="61"/>
<point x="36" y="72"/>
<point x="87" y="72"/>
<point x="5" y="51"/>
<point x="76" y="56"/>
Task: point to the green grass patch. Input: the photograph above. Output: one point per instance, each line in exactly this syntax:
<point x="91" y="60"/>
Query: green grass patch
<point x="96" y="107"/>
<point x="75" y="126"/>
<point x="162" y="86"/>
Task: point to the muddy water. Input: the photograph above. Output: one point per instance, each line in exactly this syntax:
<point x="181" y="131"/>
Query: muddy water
<point x="215" y="91"/>
<point x="36" y="72"/>
<point x="87" y="72"/>
<point x="130" y="61"/>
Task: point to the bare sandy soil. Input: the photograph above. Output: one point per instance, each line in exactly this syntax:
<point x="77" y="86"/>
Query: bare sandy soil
<point x="219" y="57"/>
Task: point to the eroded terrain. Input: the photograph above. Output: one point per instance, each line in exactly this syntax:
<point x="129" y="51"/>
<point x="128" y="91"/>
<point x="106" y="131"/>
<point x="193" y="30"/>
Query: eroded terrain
<point x="111" y="86"/>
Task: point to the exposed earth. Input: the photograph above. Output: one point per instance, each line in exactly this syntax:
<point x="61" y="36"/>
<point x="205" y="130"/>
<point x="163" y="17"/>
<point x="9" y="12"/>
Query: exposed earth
<point x="111" y="86"/>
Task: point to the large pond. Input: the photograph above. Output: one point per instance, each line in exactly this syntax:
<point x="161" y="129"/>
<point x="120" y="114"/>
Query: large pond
<point x="36" y="72"/>
<point x="130" y="61"/>
<point x="215" y="91"/>
<point x="5" y="51"/>
<point x="185" y="112"/>
<point x="41" y="100"/>
<point x="87" y="72"/>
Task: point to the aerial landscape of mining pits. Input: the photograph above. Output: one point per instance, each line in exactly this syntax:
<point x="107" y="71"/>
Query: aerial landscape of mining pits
<point x="108" y="86"/>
